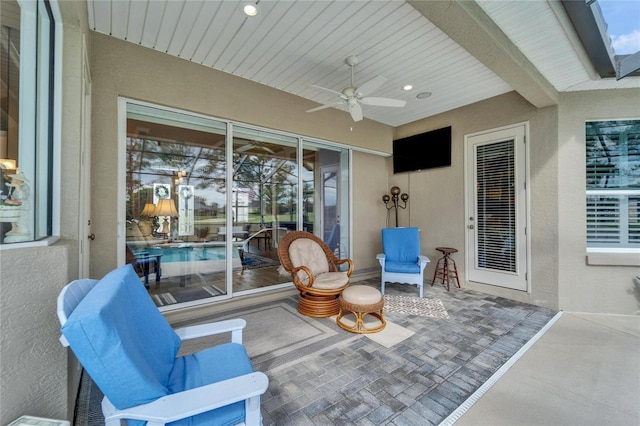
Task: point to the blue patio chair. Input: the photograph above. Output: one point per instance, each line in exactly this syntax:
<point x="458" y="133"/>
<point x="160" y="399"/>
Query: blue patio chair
<point x="130" y="352"/>
<point x="401" y="261"/>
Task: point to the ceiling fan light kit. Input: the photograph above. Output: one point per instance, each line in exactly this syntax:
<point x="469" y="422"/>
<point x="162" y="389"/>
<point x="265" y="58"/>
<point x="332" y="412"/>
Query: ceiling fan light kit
<point x="353" y="96"/>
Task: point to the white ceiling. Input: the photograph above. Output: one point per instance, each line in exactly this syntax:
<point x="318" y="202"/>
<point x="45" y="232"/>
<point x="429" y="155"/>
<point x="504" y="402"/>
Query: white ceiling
<point x="527" y="46"/>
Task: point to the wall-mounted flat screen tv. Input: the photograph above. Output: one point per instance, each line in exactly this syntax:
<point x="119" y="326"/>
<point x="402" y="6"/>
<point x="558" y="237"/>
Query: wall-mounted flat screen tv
<point x="424" y="151"/>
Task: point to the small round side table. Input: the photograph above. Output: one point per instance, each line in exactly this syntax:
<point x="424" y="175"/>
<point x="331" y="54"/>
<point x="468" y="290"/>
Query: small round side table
<point x="443" y="267"/>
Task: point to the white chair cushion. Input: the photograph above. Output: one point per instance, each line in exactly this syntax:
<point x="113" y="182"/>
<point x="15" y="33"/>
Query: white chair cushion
<point x="330" y="280"/>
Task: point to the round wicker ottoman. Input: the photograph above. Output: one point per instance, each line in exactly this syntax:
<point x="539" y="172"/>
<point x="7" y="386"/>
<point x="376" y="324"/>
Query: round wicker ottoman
<point x="361" y="300"/>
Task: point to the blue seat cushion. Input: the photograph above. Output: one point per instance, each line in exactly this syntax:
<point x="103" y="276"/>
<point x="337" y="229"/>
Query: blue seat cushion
<point x="122" y="340"/>
<point x="401" y="245"/>
<point x="402" y="267"/>
<point x="205" y="367"/>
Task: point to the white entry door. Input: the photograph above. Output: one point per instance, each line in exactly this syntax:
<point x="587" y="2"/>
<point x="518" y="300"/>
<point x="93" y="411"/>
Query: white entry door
<point x="496" y="207"/>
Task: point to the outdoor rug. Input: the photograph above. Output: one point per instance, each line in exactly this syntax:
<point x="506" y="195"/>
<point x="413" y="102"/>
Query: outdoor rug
<point x="415" y="306"/>
<point x="390" y="335"/>
<point x="276" y="335"/>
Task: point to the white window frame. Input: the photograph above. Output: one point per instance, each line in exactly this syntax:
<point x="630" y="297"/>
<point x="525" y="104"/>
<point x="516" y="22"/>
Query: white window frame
<point x="34" y="122"/>
<point x="610" y="254"/>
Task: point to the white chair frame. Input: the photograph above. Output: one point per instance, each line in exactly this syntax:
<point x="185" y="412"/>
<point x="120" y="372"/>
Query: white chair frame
<point x="401" y="278"/>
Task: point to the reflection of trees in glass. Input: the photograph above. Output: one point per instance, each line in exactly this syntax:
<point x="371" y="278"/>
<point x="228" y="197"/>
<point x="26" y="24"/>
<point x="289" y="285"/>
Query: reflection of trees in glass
<point x="271" y="179"/>
<point x="307" y="196"/>
<point x="208" y="165"/>
<point x="151" y="161"/>
<point x="613" y="154"/>
<point x="136" y="161"/>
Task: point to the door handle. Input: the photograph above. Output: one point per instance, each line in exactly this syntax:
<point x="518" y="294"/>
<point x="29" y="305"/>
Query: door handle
<point x="92" y="237"/>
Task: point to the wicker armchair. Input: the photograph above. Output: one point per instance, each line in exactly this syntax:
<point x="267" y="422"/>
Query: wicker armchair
<point x="315" y="272"/>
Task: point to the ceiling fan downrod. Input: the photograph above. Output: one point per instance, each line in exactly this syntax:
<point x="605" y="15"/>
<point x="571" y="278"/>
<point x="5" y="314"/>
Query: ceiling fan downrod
<point x="352" y="61"/>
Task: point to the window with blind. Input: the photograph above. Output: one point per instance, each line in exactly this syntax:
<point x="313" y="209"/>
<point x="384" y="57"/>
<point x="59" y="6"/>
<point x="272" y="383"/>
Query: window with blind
<point x="613" y="183"/>
<point x="496" y="209"/>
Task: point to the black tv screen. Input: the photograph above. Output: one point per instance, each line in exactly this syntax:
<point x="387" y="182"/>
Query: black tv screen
<point x="424" y="151"/>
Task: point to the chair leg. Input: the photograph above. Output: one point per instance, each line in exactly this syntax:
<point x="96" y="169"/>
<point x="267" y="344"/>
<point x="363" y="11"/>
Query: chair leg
<point x="455" y="270"/>
<point x="445" y="272"/>
<point x="252" y="411"/>
<point x="435" y="272"/>
<point x="382" y="287"/>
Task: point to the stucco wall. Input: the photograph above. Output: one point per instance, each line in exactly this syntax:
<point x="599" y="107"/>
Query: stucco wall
<point x="33" y="364"/>
<point x="436" y="203"/>
<point x="370" y="182"/>
<point x="123" y="69"/>
<point x="588" y="288"/>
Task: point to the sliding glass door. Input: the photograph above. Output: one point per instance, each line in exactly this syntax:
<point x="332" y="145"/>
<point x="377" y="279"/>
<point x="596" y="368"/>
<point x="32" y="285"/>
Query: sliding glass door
<point x="207" y="202"/>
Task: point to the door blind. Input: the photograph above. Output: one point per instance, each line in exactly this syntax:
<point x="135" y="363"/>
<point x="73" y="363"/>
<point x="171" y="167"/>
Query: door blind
<point x="496" y="209"/>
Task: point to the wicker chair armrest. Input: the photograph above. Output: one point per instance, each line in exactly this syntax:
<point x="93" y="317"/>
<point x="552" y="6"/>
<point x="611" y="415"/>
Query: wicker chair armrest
<point x="306" y="270"/>
<point x="341" y="261"/>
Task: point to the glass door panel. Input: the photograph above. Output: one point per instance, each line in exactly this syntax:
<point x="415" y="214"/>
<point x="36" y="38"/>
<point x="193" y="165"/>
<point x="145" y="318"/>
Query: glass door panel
<point x="175" y="203"/>
<point x="330" y="211"/>
<point x="326" y="194"/>
<point x="265" y="203"/>
<point x="310" y="196"/>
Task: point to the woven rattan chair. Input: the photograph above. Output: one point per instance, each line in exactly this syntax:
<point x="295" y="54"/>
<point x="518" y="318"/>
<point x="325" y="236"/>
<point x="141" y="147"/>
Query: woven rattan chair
<point x="315" y="272"/>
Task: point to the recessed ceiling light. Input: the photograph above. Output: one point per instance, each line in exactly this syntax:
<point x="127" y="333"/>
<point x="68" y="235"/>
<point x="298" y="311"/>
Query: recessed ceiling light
<point x="407" y="87"/>
<point x="423" y="95"/>
<point x="250" y="10"/>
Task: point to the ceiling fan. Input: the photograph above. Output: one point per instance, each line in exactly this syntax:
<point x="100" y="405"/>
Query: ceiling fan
<point x="254" y="145"/>
<point x="353" y="96"/>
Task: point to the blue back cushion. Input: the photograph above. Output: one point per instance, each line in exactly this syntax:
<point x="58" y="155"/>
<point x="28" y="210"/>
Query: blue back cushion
<point x="122" y="340"/>
<point x="401" y="244"/>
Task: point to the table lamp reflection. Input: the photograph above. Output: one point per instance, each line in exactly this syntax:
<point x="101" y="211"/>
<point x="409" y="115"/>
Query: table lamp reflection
<point x="166" y="208"/>
<point x="148" y="210"/>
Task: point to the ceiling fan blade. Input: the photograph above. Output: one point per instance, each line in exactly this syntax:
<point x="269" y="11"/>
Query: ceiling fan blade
<point x="383" y="102"/>
<point x="356" y="111"/>
<point x="326" y="106"/>
<point x="371" y="85"/>
<point x="267" y="149"/>
<point x="244" y="148"/>
<point x="327" y="90"/>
